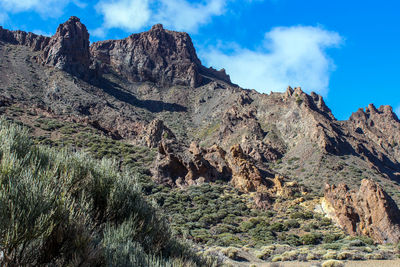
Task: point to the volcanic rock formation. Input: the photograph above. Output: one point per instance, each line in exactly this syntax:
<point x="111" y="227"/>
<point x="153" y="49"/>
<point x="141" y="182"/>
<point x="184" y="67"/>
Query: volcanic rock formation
<point x="369" y="211"/>
<point x="160" y="56"/>
<point x="68" y="49"/>
<point x="151" y="89"/>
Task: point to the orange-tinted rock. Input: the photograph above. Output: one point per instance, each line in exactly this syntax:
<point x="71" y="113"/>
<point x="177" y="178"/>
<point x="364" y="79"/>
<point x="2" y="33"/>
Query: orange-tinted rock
<point x="245" y="175"/>
<point x="284" y="189"/>
<point x="369" y="211"/>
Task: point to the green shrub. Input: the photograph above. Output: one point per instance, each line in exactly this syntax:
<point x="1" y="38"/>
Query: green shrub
<point x="325" y="222"/>
<point x="311" y="239"/>
<point x="332" y="263"/>
<point x="62" y="208"/>
<point x="330" y="238"/>
<point x="292" y="224"/>
<point x="302" y="215"/>
<point x="293" y="240"/>
<point x="334" y="246"/>
<point x="278" y="227"/>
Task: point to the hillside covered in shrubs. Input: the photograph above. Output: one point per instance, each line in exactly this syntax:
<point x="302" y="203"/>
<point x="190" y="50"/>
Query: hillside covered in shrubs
<point x="63" y="208"/>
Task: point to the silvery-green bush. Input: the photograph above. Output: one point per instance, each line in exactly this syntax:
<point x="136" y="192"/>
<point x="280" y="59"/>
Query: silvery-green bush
<point x="63" y="208"/>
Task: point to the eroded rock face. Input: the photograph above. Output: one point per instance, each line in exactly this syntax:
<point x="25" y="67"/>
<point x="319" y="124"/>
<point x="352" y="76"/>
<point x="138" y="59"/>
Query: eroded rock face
<point x="155" y="132"/>
<point x="68" y="49"/>
<point x="36" y="42"/>
<point x="160" y="56"/>
<point x="240" y="123"/>
<point x="369" y="211"/>
<point x="195" y="166"/>
<point x="245" y="175"/>
<point x="380" y="126"/>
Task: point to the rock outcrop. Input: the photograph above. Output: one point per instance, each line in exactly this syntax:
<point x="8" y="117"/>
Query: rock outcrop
<point x="284" y="189"/>
<point x="245" y="175"/>
<point x="155" y="132"/>
<point x="195" y="166"/>
<point x="240" y="123"/>
<point x="198" y="165"/>
<point x="68" y="48"/>
<point x="369" y="211"/>
<point x="36" y="42"/>
<point x="160" y="56"/>
<point x="375" y="135"/>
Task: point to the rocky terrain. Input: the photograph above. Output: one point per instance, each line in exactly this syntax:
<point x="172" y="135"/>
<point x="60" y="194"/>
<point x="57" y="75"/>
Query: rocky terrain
<point x="150" y="90"/>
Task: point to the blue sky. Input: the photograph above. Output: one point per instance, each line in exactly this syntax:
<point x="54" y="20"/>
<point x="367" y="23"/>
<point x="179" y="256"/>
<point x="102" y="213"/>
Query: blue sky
<point x="348" y="51"/>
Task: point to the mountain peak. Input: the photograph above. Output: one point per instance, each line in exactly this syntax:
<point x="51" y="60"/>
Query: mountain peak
<point x="158" y="55"/>
<point x="68" y="48"/>
<point x="157" y="27"/>
<point x="73" y="19"/>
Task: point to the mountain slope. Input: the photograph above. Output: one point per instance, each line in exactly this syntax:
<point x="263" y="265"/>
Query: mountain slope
<point x="150" y="89"/>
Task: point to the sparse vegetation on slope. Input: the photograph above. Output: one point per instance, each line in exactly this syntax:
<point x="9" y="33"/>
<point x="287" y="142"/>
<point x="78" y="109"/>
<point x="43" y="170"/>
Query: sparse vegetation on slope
<point x="65" y="208"/>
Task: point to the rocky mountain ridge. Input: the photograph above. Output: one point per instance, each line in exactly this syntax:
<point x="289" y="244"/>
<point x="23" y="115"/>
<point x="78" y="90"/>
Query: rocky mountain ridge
<point x="151" y="89"/>
<point x="160" y="56"/>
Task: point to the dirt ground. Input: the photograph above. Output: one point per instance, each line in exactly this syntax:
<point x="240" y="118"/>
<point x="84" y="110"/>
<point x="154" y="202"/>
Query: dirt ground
<point x="369" y="263"/>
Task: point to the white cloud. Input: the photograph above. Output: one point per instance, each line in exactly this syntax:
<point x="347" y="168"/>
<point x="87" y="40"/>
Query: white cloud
<point x="126" y="14"/>
<point x="46" y="8"/>
<point x="132" y="15"/>
<point x="289" y="56"/>
<point x="183" y="15"/>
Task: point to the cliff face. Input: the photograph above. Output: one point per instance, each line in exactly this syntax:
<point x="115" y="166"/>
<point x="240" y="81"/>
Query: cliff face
<point x="36" y="42"/>
<point x="160" y="56"/>
<point x="68" y="49"/>
<point x="369" y="211"/>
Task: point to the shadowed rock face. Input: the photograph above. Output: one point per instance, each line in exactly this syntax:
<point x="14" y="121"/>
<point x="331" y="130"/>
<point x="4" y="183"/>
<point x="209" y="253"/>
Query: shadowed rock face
<point x="368" y="211"/>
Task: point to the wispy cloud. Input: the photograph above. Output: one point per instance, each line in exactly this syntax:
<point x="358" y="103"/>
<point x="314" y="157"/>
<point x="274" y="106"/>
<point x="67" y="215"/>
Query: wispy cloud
<point x="183" y="15"/>
<point x="46" y="8"/>
<point x="132" y="15"/>
<point x="288" y="56"/>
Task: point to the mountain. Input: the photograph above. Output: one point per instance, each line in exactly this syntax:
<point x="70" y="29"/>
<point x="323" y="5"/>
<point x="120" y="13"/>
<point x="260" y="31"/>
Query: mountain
<point x="151" y="90"/>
